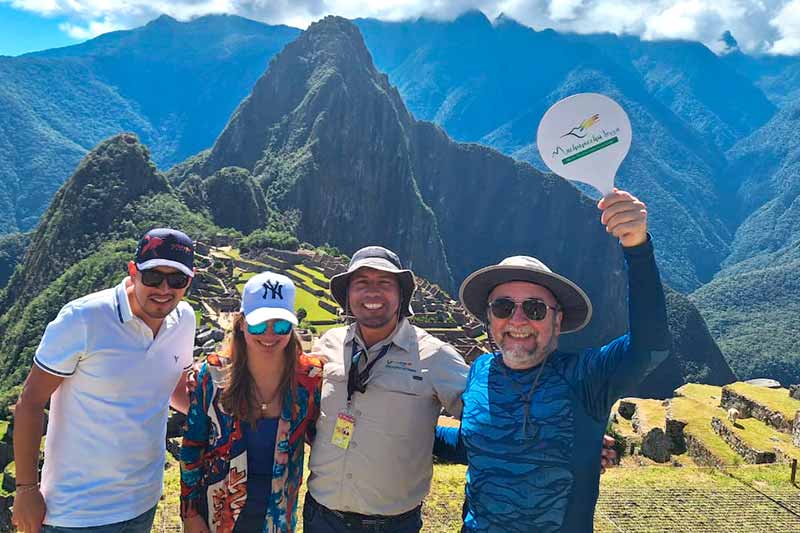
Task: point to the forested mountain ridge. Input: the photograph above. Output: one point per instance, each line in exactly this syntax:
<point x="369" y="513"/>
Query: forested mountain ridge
<point x="703" y="158"/>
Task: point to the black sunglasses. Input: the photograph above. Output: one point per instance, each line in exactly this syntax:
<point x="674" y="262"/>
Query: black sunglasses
<point x="154" y="278"/>
<point x="533" y="308"/>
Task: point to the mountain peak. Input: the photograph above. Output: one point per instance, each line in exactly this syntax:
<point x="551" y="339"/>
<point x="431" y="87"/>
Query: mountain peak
<point x="329" y="62"/>
<point x="337" y="36"/>
<point x="163" y="20"/>
<point x="116" y="173"/>
<point x="727" y="43"/>
<point x="474" y="18"/>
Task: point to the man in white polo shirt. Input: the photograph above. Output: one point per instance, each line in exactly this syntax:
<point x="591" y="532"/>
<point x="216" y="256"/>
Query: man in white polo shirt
<point x="110" y="364"/>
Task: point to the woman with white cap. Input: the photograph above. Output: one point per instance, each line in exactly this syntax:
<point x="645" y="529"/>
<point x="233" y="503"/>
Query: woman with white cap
<point x="254" y="407"/>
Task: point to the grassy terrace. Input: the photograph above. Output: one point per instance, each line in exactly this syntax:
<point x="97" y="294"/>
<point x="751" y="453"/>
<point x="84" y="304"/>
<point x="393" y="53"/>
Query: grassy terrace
<point x="697" y="416"/>
<point x="774" y="399"/>
<point x="226" y="251"/>
<point x="753" y="432"/>
<point x="311" y="272"/>
<point x="708" y="395"/>
<point x="651" y="414"/>
<point x="762" y="437"/>
<point x="636" y="499"/>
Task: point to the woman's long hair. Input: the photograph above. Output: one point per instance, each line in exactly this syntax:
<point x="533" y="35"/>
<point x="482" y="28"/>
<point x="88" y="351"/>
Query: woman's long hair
<point x="238" y="397"/>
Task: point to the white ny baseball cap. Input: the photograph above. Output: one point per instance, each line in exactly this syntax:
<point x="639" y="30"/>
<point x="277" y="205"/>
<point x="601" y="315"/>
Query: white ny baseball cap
<point x="268" y="296"/>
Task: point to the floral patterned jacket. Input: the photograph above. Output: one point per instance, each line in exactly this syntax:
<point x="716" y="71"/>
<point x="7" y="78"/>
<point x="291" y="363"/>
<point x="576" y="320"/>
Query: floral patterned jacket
<point x="214" y="451"/>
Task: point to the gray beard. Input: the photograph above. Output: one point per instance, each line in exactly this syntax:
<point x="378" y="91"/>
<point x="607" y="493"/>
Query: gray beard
<point x="521" y="358"/>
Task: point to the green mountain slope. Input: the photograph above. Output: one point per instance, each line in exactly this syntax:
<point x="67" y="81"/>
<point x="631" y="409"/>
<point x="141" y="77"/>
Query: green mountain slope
<point x="173" y="84"/>
<point x="84" y="242"/>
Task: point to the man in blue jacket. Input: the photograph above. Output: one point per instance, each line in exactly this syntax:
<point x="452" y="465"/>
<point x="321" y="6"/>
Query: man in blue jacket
<point x="534" y="417"/>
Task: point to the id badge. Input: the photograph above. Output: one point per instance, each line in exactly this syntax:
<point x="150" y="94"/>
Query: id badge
<point x="343" y="430"/>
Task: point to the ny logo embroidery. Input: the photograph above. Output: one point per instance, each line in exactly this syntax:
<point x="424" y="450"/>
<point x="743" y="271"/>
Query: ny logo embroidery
<point x="275" y="288"/>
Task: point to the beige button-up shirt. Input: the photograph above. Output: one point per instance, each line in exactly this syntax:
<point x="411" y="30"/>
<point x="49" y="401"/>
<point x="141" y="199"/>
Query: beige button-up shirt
<point x="388" y="466"/>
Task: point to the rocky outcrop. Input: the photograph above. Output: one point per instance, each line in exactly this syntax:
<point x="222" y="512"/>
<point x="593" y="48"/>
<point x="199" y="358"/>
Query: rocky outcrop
<point x="794" y="391"/>
<point x="750" y="408"/>
<point x="327" y="137"/>
<point x="656" y="445"/>
<point x="676" y="436"/>
<point x="626" y="409"/>
<point x="748" y="453"/>
<point x="796" y="430"/>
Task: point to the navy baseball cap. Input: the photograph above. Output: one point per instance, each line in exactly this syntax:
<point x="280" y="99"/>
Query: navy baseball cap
<point x="166" y="247"/>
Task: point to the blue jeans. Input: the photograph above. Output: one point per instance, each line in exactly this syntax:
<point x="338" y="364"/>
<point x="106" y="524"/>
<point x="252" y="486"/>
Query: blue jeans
<point x="140" y="524"/>
<point x="319" y="519"/>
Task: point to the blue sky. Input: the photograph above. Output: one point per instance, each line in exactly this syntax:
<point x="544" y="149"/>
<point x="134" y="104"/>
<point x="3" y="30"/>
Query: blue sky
<point x="22" y="32"/>
<point x="761" y="26"/>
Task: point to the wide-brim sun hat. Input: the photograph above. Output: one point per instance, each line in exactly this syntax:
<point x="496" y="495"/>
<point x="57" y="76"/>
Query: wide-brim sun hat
<point x="378" y="258"/>
<point x="572" y="300"/>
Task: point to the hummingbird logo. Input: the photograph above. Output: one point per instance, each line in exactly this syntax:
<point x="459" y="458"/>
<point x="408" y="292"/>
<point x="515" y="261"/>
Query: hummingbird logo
<point x="151" y="243"/>
<point x="579" y="131"/>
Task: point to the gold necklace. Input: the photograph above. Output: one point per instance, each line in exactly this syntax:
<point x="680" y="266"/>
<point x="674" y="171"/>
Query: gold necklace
<point x="264" y="405"/>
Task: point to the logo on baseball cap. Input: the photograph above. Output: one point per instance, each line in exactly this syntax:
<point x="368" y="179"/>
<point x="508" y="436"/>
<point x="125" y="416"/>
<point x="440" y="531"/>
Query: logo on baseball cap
<point x="166" y="247"/>
<point x="268" y="296"/>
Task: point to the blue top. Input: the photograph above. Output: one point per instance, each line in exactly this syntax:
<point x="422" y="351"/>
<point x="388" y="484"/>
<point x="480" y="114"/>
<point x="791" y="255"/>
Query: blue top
<point x="261" y="446"/>
<point x="260" y="460"/>
<point x="548" y="480"/>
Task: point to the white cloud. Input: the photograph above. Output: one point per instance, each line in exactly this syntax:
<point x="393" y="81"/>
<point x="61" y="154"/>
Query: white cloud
<point x="787" y="22"/>
<point x="92" y="29"/>
<point x="564" y="9"/>
<point x="758" y="25"/>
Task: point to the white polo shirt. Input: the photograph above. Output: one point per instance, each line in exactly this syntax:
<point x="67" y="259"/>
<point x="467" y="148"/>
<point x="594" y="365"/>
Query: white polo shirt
<point x="104" y="452"/>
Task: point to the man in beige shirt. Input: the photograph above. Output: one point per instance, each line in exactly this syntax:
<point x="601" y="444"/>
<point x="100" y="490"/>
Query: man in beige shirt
<point x="384" y="384"/>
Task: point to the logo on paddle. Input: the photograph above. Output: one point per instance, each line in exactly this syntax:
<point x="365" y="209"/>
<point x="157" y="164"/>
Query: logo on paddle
<point x="579" y="131"/>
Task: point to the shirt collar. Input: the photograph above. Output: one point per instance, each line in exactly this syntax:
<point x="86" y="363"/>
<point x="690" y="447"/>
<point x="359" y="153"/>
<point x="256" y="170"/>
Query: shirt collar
<point x="123" y="306"/>
<point x="402" y="336"/>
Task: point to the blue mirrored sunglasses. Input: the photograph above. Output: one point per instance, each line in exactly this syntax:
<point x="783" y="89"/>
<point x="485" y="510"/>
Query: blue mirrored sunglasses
<point x="279" y="327"/>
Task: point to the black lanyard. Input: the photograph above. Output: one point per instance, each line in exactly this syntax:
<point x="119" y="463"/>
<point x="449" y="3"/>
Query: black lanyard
<point x="357" y="381"/>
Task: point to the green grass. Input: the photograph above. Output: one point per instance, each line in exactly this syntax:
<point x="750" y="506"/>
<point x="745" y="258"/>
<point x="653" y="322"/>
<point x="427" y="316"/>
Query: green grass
<point x="3" y="429"/>
<point x="760" y="436"/>
<point x="650" y="413"/>
<point x="311" y="272"/>
<point x="667" y="499"/>
<point x="308" y="301"/>
<point x="226" y="251"/>
<point x="708" y="395"/>
<point x="307" y="279"/>
<point x="168" y="516"/>
<point x="3" y="492"/>
<point x="773" y="399"/>
<point x="698" y="423"/>
<point x="637" y="499"/>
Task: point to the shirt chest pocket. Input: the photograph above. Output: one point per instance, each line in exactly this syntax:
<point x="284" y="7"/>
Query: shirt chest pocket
<point x="400" y="399"/>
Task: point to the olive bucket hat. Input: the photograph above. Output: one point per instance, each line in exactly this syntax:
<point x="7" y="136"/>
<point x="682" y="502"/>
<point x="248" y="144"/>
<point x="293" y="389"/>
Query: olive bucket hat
<point x="379" y="258"/>
<point x="572" y="300"/>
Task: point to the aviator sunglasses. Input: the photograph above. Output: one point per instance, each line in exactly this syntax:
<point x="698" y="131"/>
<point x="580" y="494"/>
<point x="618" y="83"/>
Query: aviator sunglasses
<point x="279" y="327"/>
<point x="533" y="308"/>
<point x="154" y="278"/>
